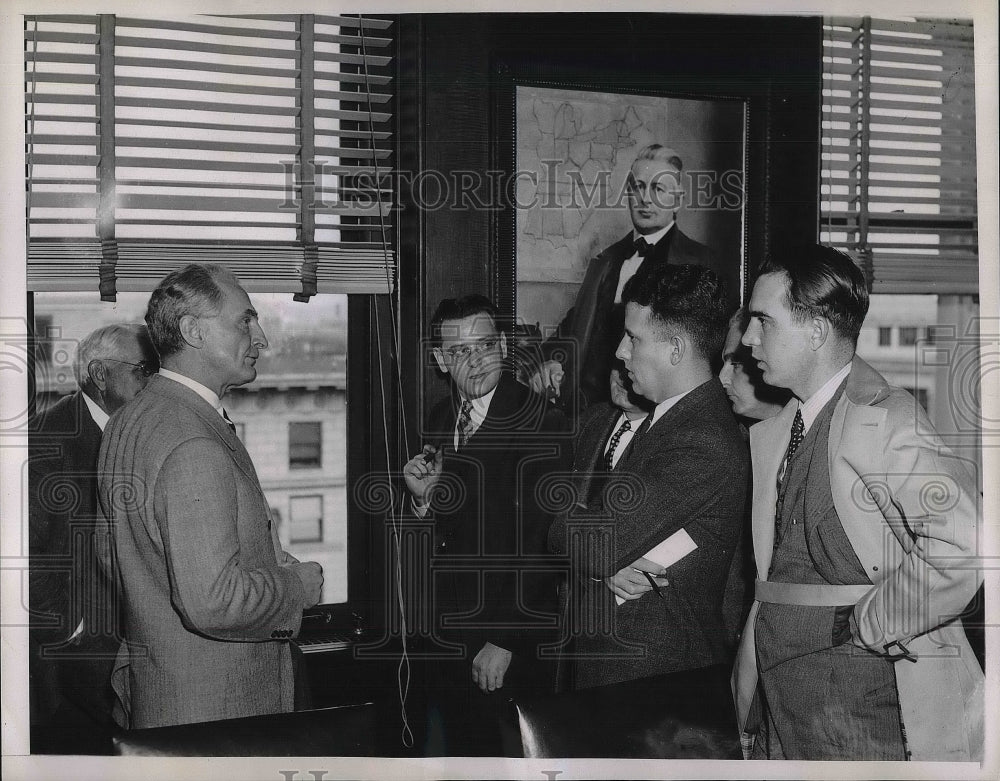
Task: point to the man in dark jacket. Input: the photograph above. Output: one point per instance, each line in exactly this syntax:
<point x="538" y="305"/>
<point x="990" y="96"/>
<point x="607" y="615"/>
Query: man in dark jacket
<point x="75" y="631"/>
<point x="487" y="448"/>
<point x="578" y="355"/>
<point x="651" y="550"/>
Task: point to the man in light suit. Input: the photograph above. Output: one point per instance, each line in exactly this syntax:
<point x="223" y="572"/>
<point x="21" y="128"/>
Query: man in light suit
<point x="210" y="598"/>
<point x="864" y="529"/>
<point x="75" y="632"/>
<point x="578" y="355"/>
<point x="487" y="448"/>
<point x="674" y="504"/>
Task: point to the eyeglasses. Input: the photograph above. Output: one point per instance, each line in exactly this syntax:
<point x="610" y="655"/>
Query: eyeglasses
<point x="466" y="351"/>
<point x="146" y="368"/>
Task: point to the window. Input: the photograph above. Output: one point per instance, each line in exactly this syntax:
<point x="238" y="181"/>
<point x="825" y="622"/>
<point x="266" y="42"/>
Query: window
<point x="305" y="519"/>
<point x="264" y="142"/>
<point x="261" y="142"/>
<point x="884" y="337"/>
<point x="305" y="445"/>
<point x="899" y="151"/>
<point x="907" y="336"/>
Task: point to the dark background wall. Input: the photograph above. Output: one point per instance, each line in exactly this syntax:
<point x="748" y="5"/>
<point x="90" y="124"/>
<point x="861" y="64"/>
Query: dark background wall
<point x="455" y="104"/>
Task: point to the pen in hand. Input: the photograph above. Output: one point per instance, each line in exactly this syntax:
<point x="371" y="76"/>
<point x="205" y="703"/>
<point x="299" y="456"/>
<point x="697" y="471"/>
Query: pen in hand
<point x="653" y="583"/>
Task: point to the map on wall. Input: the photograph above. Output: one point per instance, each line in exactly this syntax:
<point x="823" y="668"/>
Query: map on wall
<point x="574" y="152"/>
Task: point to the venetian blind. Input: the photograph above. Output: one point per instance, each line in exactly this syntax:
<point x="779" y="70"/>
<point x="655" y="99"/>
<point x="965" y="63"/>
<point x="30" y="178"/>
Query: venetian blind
<point x="899" y="157"/>
<point x="260" y="142"/>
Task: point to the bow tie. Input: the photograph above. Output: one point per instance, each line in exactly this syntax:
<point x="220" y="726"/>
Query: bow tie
<point x="642" y="247"/>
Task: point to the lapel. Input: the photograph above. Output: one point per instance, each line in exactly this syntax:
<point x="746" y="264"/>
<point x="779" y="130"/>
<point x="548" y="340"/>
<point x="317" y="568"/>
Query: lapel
<point x="591" y="449"/>
<point x="768" y="443"/>
<point x="210" y="417"/>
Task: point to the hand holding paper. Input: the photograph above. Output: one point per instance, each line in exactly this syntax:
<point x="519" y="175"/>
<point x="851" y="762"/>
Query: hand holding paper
<point x="670" y="551"/>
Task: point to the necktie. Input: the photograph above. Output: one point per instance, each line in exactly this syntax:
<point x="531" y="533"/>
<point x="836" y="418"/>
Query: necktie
<point x="798" y="427"/>
<point x="465" y="423"/>
<point x="642" y="247"/>
<point x="225" y="415"/>
<point x="609" y="457"/>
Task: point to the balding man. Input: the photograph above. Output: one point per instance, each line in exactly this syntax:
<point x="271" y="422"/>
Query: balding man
<point x="74" y="634"/>
<point x="595" y="324"/>
<point x="210" y="598"/>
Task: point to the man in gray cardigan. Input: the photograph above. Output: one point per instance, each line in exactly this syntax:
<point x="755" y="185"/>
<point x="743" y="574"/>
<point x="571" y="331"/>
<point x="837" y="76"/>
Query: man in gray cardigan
<point x="210" y="598"/>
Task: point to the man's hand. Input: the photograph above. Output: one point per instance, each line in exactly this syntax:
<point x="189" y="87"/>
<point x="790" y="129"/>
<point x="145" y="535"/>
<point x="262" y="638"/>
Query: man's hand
<point x="311" y="575"/>
<point x="548" y="379"/>
<point x="422" y="473"/>
<point x="489" y="667"/>
<point x="630" y="583"/>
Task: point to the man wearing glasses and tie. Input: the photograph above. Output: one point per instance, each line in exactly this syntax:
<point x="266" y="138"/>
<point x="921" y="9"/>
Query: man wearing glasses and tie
<point x="578" y="355"/>
<point x="71" y="658"/>
<point x="487" y="447"/>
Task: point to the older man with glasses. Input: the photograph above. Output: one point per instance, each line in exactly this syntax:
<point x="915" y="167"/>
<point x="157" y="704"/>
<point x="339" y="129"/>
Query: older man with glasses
<point x="75" y="629"/>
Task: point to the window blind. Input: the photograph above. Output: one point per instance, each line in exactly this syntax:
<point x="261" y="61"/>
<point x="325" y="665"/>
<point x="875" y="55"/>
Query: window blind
<point x="260" y="142"/>
<point x="898" y="151"/>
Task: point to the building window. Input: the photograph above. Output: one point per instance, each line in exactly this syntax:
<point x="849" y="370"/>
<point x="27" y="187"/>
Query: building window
<point x="305" y="519"/>
<point x="907" y="336"/>
<point x="305" y="445"/>
<point x="884" y="337"/>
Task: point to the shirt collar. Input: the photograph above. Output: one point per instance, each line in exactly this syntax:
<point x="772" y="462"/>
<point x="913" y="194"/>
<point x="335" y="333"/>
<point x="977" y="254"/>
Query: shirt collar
<point x="812" y="406"/>
<point x="210" y="396"/>
<point x="652" y="238"/>
<point x="100" y="416"/>
<point x="661" y="409"/>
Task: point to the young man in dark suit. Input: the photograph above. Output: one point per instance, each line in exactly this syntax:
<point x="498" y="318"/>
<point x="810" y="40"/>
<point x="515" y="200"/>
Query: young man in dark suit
<point x="487" y="447"/>
<point x="578" y="355"/>
<point x="674" y="506"/>
<point x="75" y="631"/>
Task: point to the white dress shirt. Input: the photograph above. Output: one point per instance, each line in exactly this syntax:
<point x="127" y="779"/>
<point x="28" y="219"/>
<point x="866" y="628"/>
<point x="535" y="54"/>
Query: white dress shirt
<point x="631" y="265"/>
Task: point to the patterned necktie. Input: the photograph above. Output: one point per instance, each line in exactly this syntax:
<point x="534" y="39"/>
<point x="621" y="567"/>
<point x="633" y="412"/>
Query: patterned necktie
<point x="642" y="247"/>
<point x="609" y="457"/>
<point x="798" y="427"/>
<point x="225" y="415"/>
<point x="465" y="423"/>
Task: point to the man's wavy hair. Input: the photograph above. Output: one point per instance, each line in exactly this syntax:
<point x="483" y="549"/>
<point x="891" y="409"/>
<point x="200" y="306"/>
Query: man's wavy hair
<point x="460" y="308"/>
<point x="192" y="290"/>
<point x="690" y="298"/>
<point x="823" y="282"/>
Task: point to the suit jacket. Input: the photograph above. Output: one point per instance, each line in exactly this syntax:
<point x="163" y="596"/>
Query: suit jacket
<point x="488" y="510"/>
<point x="688" y="471"/>
<point x="909" y="508"/>
<point x="585" y="334"/>
<point x="66" y="585"/>
<point x="209" y="606"/>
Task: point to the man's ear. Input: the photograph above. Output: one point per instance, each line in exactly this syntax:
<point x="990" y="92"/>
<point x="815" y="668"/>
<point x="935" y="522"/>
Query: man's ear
<point x="820" y="332"/>
<point x="98" y="374"/>
<point x="438" y="354"/>
<point x="191" y="330"/>
<point x="678" y="347"/>
<point x="503" y="344"/>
